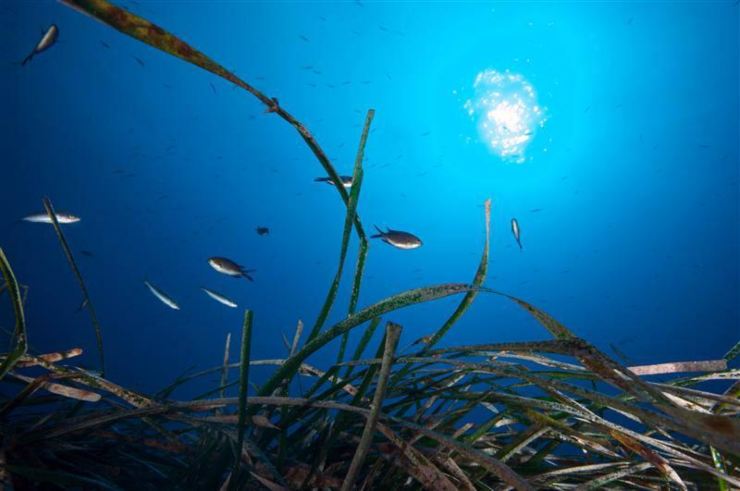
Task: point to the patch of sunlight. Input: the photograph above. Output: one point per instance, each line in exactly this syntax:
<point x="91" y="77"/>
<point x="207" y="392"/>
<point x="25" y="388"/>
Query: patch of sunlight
<point x="505" y="109"/>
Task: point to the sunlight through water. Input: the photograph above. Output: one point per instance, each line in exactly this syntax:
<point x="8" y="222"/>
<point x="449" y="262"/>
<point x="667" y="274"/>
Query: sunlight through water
<point x="505" y="109"/>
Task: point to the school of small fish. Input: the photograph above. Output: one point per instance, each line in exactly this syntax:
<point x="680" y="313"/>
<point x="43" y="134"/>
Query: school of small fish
<point x="396" y="238"/>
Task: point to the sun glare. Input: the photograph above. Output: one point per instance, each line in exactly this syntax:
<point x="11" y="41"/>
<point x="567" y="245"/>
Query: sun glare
<point x="505" y="109"/>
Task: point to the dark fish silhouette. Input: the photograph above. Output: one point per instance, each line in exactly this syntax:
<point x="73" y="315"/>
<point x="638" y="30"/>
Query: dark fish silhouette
<point x="262" y="230"/>
<point x="346" y="180"/>
<point x="230" y="268"/>
<point x="46" y="42"/>
<point x="397" y="238"/>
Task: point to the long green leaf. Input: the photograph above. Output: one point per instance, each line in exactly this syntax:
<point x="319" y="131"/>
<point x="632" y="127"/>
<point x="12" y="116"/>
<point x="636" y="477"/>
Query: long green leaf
<point x="399" y="301"/>
<point x="20" y="337"/>
<point x="73" y="265"/>
<point x="480" y="277"/>
<point x="145" y="31"/>
<point x="348" y="221"/>
<point x="243" y="383"/>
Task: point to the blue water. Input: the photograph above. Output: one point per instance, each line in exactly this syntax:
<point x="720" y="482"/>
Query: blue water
<point x="635" y="172"/>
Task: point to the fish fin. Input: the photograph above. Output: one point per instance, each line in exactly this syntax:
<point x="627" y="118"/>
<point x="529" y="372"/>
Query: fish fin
<point x="379" y="235"/>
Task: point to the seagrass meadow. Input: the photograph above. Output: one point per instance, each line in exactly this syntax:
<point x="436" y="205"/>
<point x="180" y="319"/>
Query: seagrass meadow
<point x="552" y="413"/>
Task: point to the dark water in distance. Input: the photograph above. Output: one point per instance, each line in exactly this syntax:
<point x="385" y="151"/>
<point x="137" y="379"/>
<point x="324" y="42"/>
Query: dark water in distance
<point x="634" y="173"/>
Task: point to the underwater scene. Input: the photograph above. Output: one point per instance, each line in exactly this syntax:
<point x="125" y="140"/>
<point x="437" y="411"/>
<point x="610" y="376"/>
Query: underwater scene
<point x="369" y="245"/>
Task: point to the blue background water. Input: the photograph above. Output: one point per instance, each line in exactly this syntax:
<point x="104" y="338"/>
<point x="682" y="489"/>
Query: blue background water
<point x="636" y="173"/>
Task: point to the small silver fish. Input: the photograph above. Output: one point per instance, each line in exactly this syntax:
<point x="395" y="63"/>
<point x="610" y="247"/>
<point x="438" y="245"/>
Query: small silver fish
<point x="47" y="40"/>
<point x="397" y="238"/>
<point x="62" y="218"/>
<point x="82" y="305"/>
<point x="345" y="180"/>
<point x="162" y="296"/>
<point x="219" y="298"/>
<point x="230" y="268"/>
<point x="515" y="231"/>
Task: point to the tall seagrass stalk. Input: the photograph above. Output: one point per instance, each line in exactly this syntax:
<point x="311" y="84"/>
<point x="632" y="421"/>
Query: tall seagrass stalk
<point x="73" y="265"/>
<point x="20" y="337"/>
<point x="480" y="277"/>
<point x="392" y="334"/>
<point x="243" y="384"/>
<point x="354" y="197"/>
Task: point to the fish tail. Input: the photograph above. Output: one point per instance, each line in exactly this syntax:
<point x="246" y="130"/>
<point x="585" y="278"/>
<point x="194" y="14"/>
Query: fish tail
<point x="27" y="58"/>
<point x="379" y="235"/>
<point x="321" y="179"/>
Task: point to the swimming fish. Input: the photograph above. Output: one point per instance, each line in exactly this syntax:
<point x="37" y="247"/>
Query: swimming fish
<point x="346" y="180"/>
<point x="262" y="230"/>
<point x="82" y="305"/>
<point x="219" y="298"/>
<point x="47" y="40"/>
<point x="44" y="218"/>
<point x="397" y="238"/>
<point x="230" y="268"/>
<point x="515" y="231"/>
<point x="162" y="296"/>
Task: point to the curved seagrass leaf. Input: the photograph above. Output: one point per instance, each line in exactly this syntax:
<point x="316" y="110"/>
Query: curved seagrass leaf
<point x="92" y="380"/>
<point x="348" y="221"/>
<point x="724" y="431"/>
<point x="602" y="481"/>
<point x="416" y="464"/>
<point x="20" y="339"/>
<point x="658" y="462"/>
<point x="733" y="353"/>
<point x="362" y="252"/>
<point x="399" y="301"/>
<point x="556" y="328"/>
<point x="503" y="471"/>
<point x="76" y="271"/>
<point x="153" y="35"/>
<point x="467" y="300"/>
<point x="480" y="277"/>
<point x="59" y="389"/>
